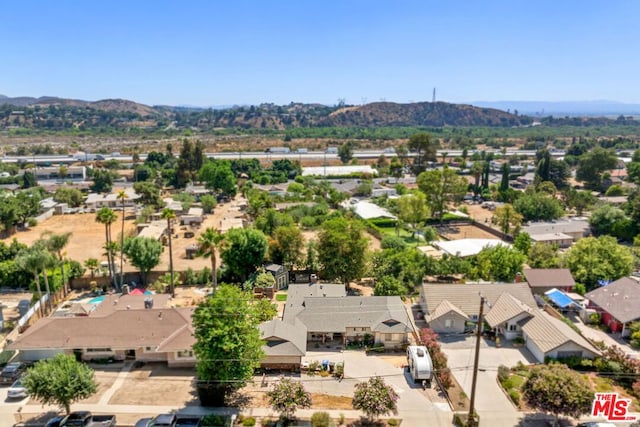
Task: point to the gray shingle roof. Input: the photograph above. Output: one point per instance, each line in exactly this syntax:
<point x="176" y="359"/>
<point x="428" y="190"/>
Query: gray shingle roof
<point x="506" y="308"/>
<point x="467" y="296"/>
<point x="298" y="292"/>
<point x="549" y="277"/>
<point x="549" y="333"/>
<point x="621" y="299"/>
<point x="283" y="339"/>
<point x="444" y="308"/>
<point x="334" y="314"/>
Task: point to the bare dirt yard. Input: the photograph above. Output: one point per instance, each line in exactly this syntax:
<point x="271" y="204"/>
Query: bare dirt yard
<point x="465" y="232"/>
<point x="156" y="384"/>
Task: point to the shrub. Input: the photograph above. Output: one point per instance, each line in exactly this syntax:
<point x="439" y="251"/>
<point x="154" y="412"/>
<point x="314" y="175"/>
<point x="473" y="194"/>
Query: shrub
<point x="321" y="419"/>
<point x="5" y="356"/>
<point x="393" y="422"/>
<point x="514" y="395"/>
<point x="341" y="419"/>
<point x="213" y="420"/>
<point x="249" y="422"/>
<point x="594" y="318"/>
<point x="503" y="374"/>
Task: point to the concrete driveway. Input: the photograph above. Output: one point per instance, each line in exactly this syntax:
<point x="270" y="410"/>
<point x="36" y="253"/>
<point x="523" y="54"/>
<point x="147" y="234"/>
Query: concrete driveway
<point x="416" y="407"/>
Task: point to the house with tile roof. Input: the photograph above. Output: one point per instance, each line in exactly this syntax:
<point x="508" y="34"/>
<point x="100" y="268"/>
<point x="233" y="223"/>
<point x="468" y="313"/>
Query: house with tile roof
<point x="618" y="303"/>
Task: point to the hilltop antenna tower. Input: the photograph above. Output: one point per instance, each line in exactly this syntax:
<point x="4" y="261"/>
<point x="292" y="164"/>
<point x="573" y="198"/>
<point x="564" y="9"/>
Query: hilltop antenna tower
<point x="433" y="98"/>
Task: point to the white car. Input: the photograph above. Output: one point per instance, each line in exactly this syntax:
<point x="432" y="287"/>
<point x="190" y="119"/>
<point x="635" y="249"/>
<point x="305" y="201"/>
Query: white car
<point x="16" y="391"/>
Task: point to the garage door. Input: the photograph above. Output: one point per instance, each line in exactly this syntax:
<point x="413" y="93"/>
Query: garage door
<point x="38" y="354"/>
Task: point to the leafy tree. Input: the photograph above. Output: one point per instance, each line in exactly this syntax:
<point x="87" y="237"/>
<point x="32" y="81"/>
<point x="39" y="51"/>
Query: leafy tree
<point x="265" y="309"/>
<point x="29" y="260"/>
<point x="345" y="152"/>
<point x="244" y="250"/>
<point x="499" y="263"/>
<point x="591" y="166"/>
<point x="413" y="209"/>
<point x="149" y="193"/>
<point x="591" y="259"/>
<point x="522" y="242"/>
<point x="389" y="286"/>
<point x="107" y="217"/>
<point x="71" y="196"/>
<point x="287" y="396"/>
<point x="102" y="181"/>
<point x="604" y="217"/>
<point x="543" y="255"/>
<point x="408" y="266"/>
<point x="208" y="203"/>
<point x="169" y="215"/>
<point x="507" y="218"/>
<point x="60" y="381"/>
<point x="633" y="167"/>
<point x="441" y="186"/>
<point x="615" y="190"/>
<point x="92" y="265"/>
<point x="579" y="200"/>
<point x="218" y="176"/>
<point x="504" y="181"/>
<point x="228" y="345"/>
<point x="209" y="243"/>
<point x="270" y="219"/>
<point x="29" y="180"/>
<point x="538" y="207"/>
<point x="341" y="250"/>
<point x="311" y="262"/>
<point x="375" y="398"/>
<point x="424" y="149"/>
<point x="144" y="253"/>
<point x="393" y="242"/>
<point x="558" y="390"/>
<point x="286" y="246"/>
<point x="429" y="339"/>
<point x="56" y="243"/>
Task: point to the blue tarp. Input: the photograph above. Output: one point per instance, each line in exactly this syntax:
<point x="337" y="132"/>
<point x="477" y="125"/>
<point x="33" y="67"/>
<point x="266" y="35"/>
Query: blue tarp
<point x="559" y="298"/>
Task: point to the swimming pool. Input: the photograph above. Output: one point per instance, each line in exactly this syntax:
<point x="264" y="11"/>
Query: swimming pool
<point x="97" y="300"/>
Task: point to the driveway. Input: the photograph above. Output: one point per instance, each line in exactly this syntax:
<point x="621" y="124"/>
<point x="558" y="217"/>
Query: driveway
<point x="609" y="339"/>
<point x="416" y="407"/>
<point x="491" y="402"/>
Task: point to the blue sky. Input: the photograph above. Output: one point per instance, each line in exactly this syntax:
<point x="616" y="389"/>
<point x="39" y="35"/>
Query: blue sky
<point x="248" y="52"/>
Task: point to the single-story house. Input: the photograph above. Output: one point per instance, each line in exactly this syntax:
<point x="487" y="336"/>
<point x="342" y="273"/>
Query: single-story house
<point x="156" y="334"/>
<point x="561" y="240"/>
<point x="285" y="344"/>
<point x="96" y="201"/>
<point x="541" y="280"/>
<point x="447" y="307"/>
<point x="466" y="247"/>
<point x="504" y="316"/>
<point x="155" y="229"/>
<point x="51" y="173"/>
<point x="618" y="303"/>
<point x="194" y="216"/>
<point x="575" y="228"/>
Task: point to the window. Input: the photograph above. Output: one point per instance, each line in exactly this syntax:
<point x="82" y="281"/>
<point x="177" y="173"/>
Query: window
<point x="184" y="354"/>
<point x="448" y="323"/>
<point x="512" y="327"/>
<point x="98" y="350"/>
<point x="149" y="350"/>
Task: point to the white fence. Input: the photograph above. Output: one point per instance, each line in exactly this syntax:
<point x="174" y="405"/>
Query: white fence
<point x="25" y="319"/>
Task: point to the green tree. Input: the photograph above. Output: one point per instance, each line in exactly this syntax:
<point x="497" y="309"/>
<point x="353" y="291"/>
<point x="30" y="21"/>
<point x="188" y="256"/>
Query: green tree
<point x="170" y="215"/>
<point x="244" y="250"/>
<point x="286" y="246"/>
<point x="441" y="186"/>
<point x="543" y="255"/>
<point x="413" y="209"/>
<point x="522" y="242"/>
<point x="102" y="181"/>
<point x="375" y="398"/>
<point x="504" y="181"/>
<point x="633" y="167"/>
<point x="578" y="200"/>
<point x="538" y="207"/>
<point x="218" y="176"/>
<point x="71" y="196"/>
<point x="270" y="219"/>
<point x="144" y="253"/>
<point x="28" y="260"/>
<point x="507" y="218"/>
<point x="265" y="309"/>
<point x="287" y="396"/>
<point x="92" y="265"/>
<point x="107" y="217"/>
<point x="424" y="149"/>
<point x="591" y="259"/>
<point x="149" y="193"/>
<point x="342" y="250"/>
<point x="558" y="390"/>
<point x="389" y="286"/>
<point x="499" y="263"/>
<point x="311" y="262"/>
<point x="208" y="245"/>
<point x="122" y="196"/>
<point x="591" y="166"/>
<point x="408" y="266"/>
<point x="345" y="152"/>
<point x="228" y="347"/>
<point x="208" y="203"/>
<point x="604" y="218"/>
<point x="56" y="243"/>
<point x="60" y="381"/>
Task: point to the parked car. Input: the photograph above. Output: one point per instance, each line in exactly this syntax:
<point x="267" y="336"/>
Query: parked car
<point x="16" y="391"/>
<point x="188" y="421"/>
<point x="12" y="372"/>
<point x="83" y="419"/>
<point x="162" y="420"/>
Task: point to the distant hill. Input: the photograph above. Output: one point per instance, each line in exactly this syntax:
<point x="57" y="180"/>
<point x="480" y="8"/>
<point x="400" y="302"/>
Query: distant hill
<point x="118" y="105"/>
<point x="565" y="108"/>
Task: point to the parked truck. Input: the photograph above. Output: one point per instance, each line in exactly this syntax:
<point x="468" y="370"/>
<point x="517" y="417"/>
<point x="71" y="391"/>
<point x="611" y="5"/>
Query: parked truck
<point x="420" y="365"/>
<point x="84" y="419"/>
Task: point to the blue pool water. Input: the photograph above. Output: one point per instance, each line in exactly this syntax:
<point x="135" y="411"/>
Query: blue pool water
<point x="97" y="300"/>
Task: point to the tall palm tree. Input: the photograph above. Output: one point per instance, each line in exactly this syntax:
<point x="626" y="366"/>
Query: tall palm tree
<point x="107" y="216"/>
<point x="46" y="261"/>
<point x="209" y="242"/>
<point x="110" y="250"/>
<point x="56" y="243"/>
<point x="169" y="215"/>
<point x="27" y="260"/>
<point x="92" y="264"/>
<point x="122" y="196"/>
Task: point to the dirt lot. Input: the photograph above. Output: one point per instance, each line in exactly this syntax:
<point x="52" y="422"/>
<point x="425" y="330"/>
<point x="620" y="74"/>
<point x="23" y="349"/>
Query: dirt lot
<point x="466" y="232"/>
<point x="87" y="237"/>
<point x="480" y="214"/>
<point x="157" y="385"/>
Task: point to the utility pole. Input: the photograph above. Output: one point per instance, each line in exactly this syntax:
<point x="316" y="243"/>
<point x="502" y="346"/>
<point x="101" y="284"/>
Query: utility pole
<point x="471" y="421"/>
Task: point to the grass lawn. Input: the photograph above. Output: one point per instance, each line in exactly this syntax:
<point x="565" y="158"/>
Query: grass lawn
<point x="404" y="235"/>
<point x="281" y="297"/>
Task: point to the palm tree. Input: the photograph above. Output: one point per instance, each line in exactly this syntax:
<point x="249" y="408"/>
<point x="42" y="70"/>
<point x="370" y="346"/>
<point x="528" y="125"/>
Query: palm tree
<point x="209" y="242"/>
<point x="122" y="195"/>
<point x="169" y="215"/>
<point x="46" y="261"/>
<point x="107" y="216"/>
<point x="56" y="243"/>
<point x="92" y="264"/>
<point x="27" y="260"/>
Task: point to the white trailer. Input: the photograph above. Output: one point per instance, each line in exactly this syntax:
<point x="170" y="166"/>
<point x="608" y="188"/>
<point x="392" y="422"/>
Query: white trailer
<point x="420" y="365"/>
